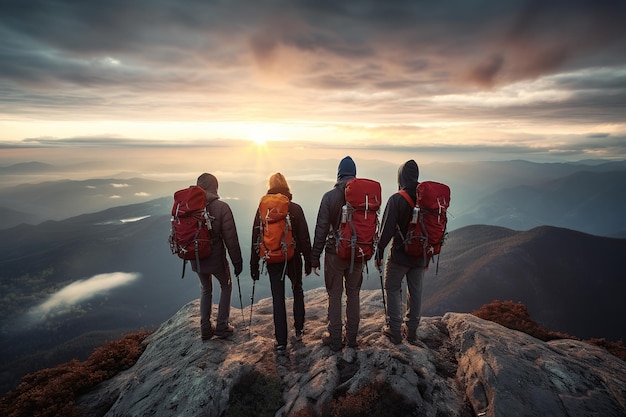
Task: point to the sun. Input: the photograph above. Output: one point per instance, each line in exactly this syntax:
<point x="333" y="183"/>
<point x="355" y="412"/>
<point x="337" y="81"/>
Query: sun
<point x="259" y="141"/>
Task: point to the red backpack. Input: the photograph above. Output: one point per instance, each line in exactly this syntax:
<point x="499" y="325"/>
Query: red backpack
<point x="427" y="228"/>
<point x="358" y="230"/>
<point x="190" y="236"/>
<point x="276" y="242"/>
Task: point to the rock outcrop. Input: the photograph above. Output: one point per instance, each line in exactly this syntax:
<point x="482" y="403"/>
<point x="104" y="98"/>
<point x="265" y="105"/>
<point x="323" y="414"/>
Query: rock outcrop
<point x="461" y="366"/>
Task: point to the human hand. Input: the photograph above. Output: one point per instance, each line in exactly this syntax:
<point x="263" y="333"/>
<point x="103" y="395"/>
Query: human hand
<point x="254" y="272"/>
<point x="378" y="264"/>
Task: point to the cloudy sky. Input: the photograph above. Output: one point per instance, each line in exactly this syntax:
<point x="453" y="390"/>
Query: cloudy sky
<point x="543" y="78"/>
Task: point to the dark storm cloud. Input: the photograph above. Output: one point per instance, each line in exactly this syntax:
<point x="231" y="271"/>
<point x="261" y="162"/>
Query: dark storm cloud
<point x="549" y="35"/>
<point x="512" y="39"/>
<point x="147" y="59"/>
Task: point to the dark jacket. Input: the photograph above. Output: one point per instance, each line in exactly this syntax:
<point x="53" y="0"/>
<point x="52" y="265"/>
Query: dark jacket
<point x="329" y="213"/>
<point x="223" y="238"/>
<point x="300" y="230"/>
<point x="396" y="217"/>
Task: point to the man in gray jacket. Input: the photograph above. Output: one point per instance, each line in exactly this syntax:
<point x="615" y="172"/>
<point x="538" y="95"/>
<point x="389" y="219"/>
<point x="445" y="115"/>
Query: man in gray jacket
<point x="394" y="227"/>
<point x="337" y="270"/>
<point x="223" y="238"/>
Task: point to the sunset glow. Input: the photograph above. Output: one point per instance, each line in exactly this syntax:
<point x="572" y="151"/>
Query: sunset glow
<point x="378" y="76"/>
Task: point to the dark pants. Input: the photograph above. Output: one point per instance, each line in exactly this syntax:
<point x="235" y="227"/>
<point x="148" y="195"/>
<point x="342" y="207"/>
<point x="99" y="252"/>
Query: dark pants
<point x="277" y="281"/>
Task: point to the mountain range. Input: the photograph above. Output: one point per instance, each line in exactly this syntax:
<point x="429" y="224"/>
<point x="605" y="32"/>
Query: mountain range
<point x="571" y="281"/>
<point x="591" y="202"/>
<point x="589" y="197"/>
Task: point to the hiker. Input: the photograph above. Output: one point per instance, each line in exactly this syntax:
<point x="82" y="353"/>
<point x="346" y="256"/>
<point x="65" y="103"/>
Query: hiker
<point x="395" y="224"/>
<point x="292" y="267"/>
<point x="337" y="270"/>
<point x="223" y="238"/>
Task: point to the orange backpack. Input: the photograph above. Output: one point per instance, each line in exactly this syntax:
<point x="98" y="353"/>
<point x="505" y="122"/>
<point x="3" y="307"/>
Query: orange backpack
<point x="276" y="242"/>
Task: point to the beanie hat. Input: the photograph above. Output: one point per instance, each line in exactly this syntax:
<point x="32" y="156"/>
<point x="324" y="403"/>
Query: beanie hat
<point x="208" y="182"/>
<point x="347" y="168"/>
<point x="277" y="181"/>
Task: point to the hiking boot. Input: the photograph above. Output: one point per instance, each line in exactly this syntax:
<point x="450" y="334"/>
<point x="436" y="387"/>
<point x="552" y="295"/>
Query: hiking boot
<point x="332" y="342"/>
<point x="299" y="334"/>
<point x="279" y="347"/>
<point x="350" y="340"/>
<point x="352" y="343"/>
<point x="411" y="336"/>
<point x="224" y="330"/>
<point x="394" y="335"/>
<point x="207" y="332"/>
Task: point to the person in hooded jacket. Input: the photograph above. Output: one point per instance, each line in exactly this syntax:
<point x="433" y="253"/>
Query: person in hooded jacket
<point x="223" y="238"/>
<point x="336" y="270"/>
<point x="394" y="227"/>
<point x="277" y="184"/>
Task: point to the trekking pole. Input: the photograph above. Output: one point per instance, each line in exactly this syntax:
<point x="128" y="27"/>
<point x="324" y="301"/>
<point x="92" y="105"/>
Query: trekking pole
<point x="251" y="304"/>
<point x="243" y="317"/>
<point x="382" y="288"/>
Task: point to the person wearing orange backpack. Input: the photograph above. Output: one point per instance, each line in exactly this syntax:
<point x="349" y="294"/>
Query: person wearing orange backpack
<point x="395" y="225"/>
<point x="280" y="238"/>
<point x="224" y="238"/>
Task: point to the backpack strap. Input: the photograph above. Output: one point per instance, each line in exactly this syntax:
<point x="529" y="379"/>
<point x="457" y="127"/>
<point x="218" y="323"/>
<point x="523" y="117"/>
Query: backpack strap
<point x="336" y="208"/>
<point x="407" y="197"/>
<point x="409" y="200"/>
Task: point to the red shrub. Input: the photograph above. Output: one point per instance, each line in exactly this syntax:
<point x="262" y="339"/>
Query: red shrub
<point x="52" y="392"/>
<point x="515" y="316"/>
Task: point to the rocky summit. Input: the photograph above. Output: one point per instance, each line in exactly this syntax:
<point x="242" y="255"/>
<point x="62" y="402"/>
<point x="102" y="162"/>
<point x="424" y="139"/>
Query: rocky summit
<point x="461" y="366"/>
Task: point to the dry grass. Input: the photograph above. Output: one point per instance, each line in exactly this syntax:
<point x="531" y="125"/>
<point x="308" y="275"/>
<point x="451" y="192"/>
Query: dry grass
<point x="515" y="316"/>
<point x="52" y="392"/>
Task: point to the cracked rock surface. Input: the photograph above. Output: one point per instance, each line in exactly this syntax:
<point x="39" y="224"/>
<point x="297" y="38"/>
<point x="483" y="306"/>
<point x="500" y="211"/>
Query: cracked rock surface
<point x="461" y="366"/>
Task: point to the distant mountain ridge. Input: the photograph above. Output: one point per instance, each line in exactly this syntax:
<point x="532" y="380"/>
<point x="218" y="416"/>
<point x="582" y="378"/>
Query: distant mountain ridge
<point x="592" y="202"/>
<point x="514" y="194"/>
<point x="10" y="218"/>
<point x="58" y="200"/>
<point x="570" y="281"/>
<point x="27" y="167"/>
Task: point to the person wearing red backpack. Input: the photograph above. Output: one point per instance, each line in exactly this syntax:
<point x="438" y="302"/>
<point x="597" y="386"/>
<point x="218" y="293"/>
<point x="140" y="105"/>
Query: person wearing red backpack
<point x="337" y="271"/>
<point x="399" y="264"/>
<point x="223" y="238"/>
<point x="291" y="267"/>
